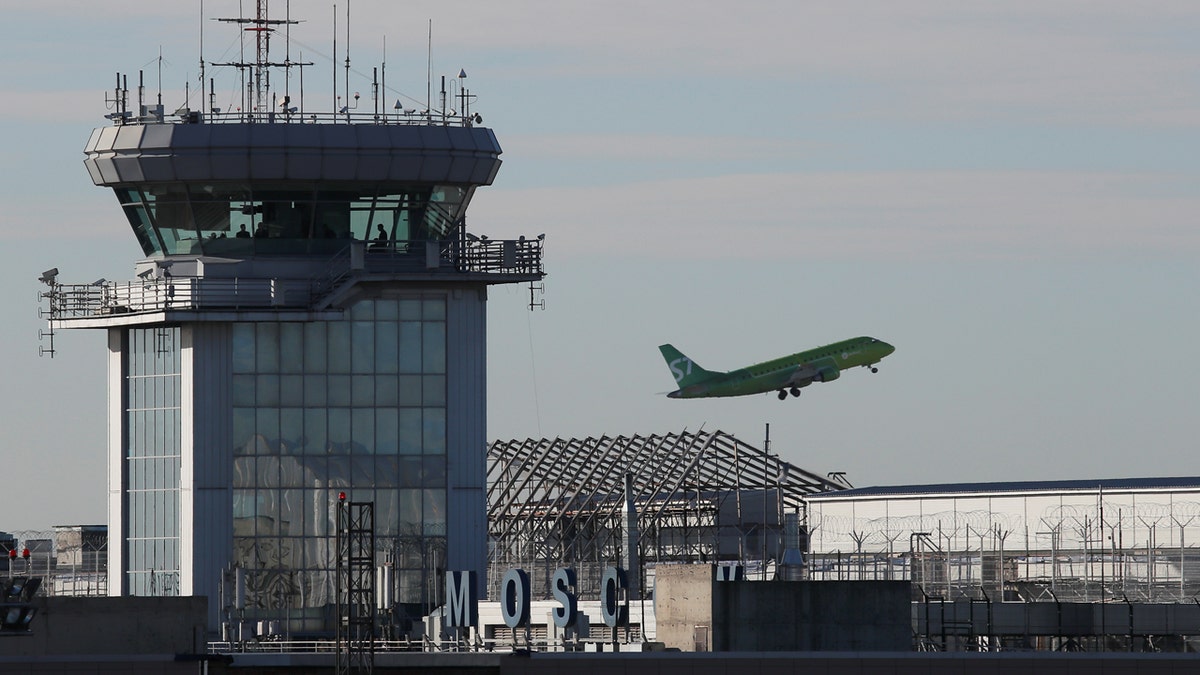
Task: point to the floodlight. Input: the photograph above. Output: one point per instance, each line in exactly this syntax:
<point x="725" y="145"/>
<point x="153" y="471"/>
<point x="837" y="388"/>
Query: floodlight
<point x="100" y="282"/>
<point x="145" y="274"/>
<point x="48" y="276"/>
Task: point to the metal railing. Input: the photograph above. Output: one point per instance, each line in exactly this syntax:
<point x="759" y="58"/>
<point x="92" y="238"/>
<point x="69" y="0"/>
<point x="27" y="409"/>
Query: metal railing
<point x="520" y="257"/>
<point x="405" y="118"/>
<point x="156" y="295"/>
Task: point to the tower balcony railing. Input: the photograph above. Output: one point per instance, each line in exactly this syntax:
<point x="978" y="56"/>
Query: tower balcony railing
<point x="501" y="260"/>
<point x="76" y="301"/>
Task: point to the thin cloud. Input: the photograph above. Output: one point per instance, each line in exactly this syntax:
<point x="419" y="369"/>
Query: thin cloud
<point x="654" y="147"/>
<point x="881" y="215"/>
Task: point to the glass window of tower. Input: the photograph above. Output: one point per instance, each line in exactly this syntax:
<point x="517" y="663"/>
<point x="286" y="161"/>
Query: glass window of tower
<point x="356" y="405"/>
<point x="152" y="459"/>
<point x="242" y="220"/>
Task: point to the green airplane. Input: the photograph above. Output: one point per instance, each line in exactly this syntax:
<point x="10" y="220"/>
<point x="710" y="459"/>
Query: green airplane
<point x="785" y="375"/>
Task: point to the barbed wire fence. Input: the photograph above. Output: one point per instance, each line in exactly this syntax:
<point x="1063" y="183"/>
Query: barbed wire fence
<point x="70" y="561"/>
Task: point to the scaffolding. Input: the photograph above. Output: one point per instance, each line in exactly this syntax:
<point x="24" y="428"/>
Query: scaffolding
<point x="701" y="497"/>
<point x="355" y="586"/>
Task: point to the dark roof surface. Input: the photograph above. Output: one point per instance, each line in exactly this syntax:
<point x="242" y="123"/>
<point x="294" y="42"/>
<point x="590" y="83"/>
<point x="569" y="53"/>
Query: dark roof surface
<point x="1014" y="486"/>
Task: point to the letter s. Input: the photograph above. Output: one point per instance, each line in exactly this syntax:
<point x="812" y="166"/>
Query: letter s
<point x="560" y="586"/>
<point x="679" y="374"/>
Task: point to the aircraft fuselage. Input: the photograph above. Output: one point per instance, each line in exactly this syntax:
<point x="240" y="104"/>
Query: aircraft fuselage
<point x="788" y="373"/>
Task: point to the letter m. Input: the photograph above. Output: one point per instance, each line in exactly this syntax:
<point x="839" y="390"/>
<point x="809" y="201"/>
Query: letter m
<point x="461" y="598"/>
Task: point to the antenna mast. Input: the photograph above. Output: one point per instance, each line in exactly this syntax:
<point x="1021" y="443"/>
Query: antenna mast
<point x="429" y="70"/>
<point x="347" y="82"/>
<point x="202" y="48"/>
<point x="262" y="26"/>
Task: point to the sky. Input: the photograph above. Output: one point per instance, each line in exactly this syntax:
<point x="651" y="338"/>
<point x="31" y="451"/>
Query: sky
<point x="1006" y="192"/>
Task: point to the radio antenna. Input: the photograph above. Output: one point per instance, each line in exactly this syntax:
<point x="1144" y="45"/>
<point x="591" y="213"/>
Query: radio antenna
<point x="429" y="70"/>
<point x="347" y="83"/>
<point x="334" y="59"/>
<point x="201" y="48"/>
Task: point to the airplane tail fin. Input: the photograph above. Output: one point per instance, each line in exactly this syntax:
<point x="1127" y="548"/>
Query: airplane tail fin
<point x="685" y="371"/>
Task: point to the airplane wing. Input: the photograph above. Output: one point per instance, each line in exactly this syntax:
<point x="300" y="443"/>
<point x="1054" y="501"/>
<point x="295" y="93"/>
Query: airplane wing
<point x="821" y="370"/>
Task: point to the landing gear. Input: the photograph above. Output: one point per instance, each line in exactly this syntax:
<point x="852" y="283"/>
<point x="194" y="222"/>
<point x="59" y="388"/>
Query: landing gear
<point x="795" y="391"/>
<point x="874" y="369"/>
<point x="782" y="394"/>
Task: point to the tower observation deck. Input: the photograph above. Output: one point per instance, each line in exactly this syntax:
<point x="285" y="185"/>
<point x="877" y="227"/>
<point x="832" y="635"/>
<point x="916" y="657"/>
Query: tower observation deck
<point x="308" y="319"/>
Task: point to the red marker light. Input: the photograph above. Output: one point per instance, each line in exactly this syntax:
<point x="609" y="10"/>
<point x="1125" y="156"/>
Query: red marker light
<point x="341" y="496"/>
<point x="12" y="554"/>
<point x="25" y="554"/>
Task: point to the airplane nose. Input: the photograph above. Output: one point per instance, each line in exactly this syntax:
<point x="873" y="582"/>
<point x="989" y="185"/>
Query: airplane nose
<point x="888" y="349"/>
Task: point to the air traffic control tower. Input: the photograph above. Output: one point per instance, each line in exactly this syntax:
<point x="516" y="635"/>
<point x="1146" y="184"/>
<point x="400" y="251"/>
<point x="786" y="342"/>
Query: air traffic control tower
<point x="309" y="319"/>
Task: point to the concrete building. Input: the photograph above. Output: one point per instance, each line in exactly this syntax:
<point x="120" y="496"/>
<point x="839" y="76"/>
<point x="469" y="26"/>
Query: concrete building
<point x="80" y="561"/>
<point x="308" y="320"/>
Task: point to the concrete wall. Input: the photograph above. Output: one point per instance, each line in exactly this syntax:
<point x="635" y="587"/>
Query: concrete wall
<point x="112" y="626"/>
<point x="697" y="613"/>
<point x="683" y="602"/>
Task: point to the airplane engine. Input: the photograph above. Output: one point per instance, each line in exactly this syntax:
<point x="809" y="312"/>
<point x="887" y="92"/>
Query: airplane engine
<point x="828" y="374"/>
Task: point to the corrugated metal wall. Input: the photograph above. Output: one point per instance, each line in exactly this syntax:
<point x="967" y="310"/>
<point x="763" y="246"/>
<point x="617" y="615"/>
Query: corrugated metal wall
<point x="466" y="433"/>
<point x="206" y="504"/>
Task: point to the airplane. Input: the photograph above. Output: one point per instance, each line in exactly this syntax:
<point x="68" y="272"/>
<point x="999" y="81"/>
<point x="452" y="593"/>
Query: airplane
<point x="785" y="375"/>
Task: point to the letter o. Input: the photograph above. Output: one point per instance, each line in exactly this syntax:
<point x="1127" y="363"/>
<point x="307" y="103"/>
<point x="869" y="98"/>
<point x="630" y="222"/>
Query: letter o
<point x="514" y="598"/>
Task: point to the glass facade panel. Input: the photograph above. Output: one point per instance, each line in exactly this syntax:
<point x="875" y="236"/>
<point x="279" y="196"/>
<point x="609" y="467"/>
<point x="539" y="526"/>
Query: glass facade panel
<point x="153" y="455"/>
<point x="409" y="390"/>
<point x="357" y="405"/>
<point x="433" y="344"/>
<point x="316" y="388"/>
<point x="291" y="390"/>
